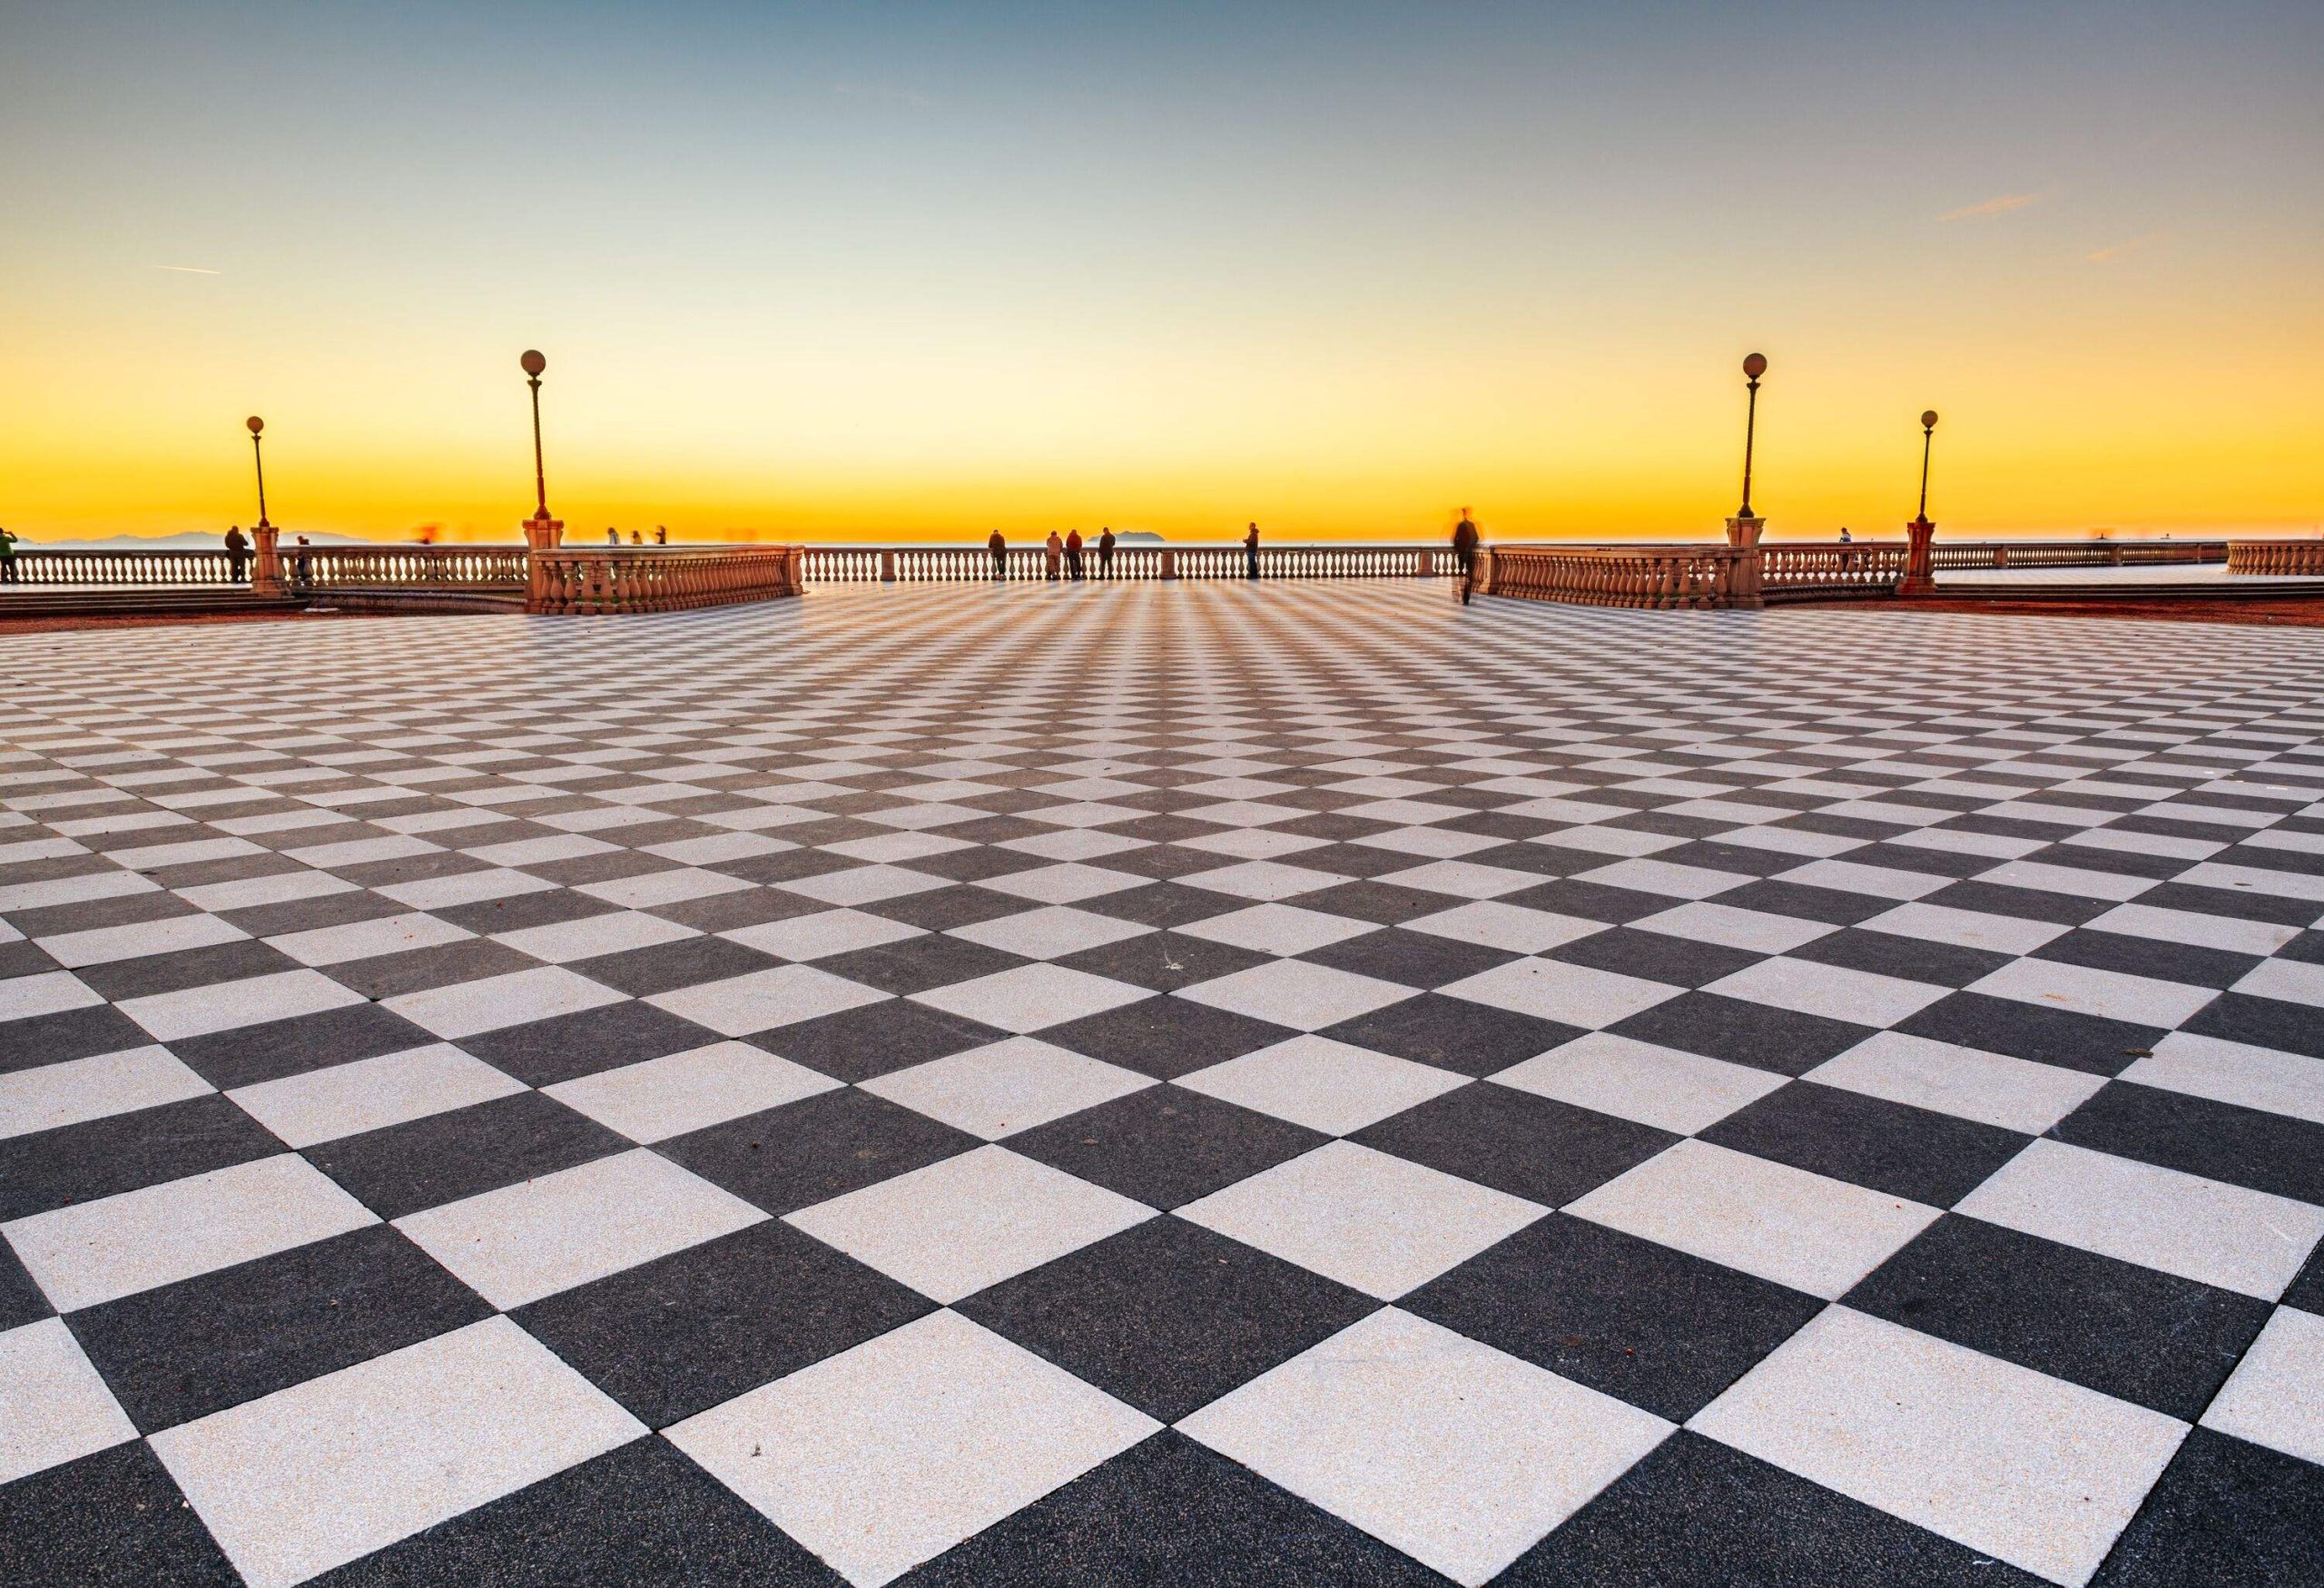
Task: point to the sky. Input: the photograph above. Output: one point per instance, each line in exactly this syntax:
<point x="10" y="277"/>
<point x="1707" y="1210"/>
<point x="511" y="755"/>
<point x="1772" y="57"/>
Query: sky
<point x="916" y="272"/>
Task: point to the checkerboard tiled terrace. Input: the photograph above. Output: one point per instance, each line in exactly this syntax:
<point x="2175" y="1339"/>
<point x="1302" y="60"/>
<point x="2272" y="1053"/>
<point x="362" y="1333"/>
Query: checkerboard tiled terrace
<point x="1198" y="1084"/>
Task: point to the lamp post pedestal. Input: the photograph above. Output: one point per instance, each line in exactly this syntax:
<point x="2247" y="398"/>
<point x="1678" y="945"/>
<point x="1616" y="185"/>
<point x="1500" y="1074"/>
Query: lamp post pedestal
<point x="543" y="533"/>
<point x="266" y="563"/>
<point x="1920" y="571"/>
<point x="1743" y="533"/>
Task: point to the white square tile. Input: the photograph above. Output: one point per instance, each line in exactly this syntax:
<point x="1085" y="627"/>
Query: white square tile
<point x="1755" y="931"/>
<point x="310" y="1477"/>
<point x="1276" y="928"/>
<point x="363" y="940"/>
<point x="1880" y="881"/>
<point x="823" y="933"/>
<point x="1666" y="877"/>
<point x="660" y="1097"/>
<point x="1379" y="1224"/>
<point x="674" y="886"/>
<point x="1806" y="1230"/>
<point x="1968" y="929"/>
<point x="889" y="1454"/>
<point x="1430" y="842"/>
<point x="1074" y="843"/>
<point x="1068" y="883"/>
<point x="1262" y="879"/>
<point x="954" y="1228"/>
<point x="1495" y="925"/>
<point x="53" y="1095"/>
<point x="760" y="999"/>
<point x="1031" y="996"/>
<point x="54" y="1406"/>
<point x="2035" y="1471"/>
<point x="117" y="1246"/>
<point x="1462" y="879"/>
<point x="1049" y="933"/>
<point x="2276" y="1396"/>
<point x="466" y="1008"/>
<point x="542" y="1236"/>
<point x="1456" y="1453"/>
<point x="2043" y="877"/>
<point x="2216" y="1234"/>
<point x="1322" y="1084"/>
<point x="1252" y="842"/>
<point x="104" y="945"/>
<point x="2194" y="929"/>
<point x="1832" y="991"/>
<point x="367" y="1094"/>
<point x="1653" y="1085"/>
<point x="1006" y="1087"/>
<point x="2285" y="980"/>
<point x="2107" y="994"/>
<point x="195" y="1012"/>
<point x="616" y="932"/>
<point x="542" y="851"/>
<point x="46" y="992"/>
<point x="864" y="884"/>
<point x="2234" y="1072"/>
<point x="1573" y="995"/>
<point x="462" y="888"/>
<point x="718" y="848"/>
<point x="1293" y="993"/>
<point x="1968" y="1083"/>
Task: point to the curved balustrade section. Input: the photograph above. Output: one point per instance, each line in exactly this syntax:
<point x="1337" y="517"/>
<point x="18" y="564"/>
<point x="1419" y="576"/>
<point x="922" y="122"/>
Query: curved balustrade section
<point x="584" y="581"/>
<point x="918" y="565"/>
<point x="126" y="567"/>
<point x="2275" y="556"/>
<point x="2073" y="554"/>
<point x="467" y="567"/>
<point x="1625" y="576"/>
<point x="1871" y="568"/>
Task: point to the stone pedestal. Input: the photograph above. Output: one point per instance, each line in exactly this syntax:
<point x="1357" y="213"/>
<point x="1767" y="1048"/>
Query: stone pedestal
<point x="1169" y="562"/>
<point x="887" y="567"/>
<point x="542" y="533"/>
<point x="266" y="562"/>
<point x="1743" y="535"/>
<point x="1920" y="568"/>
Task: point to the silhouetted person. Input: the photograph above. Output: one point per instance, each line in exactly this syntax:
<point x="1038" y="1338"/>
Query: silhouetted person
<point x="661" y="535"/>
<point x="238" y="554"/>
<point x="1464" y="554"/>
<point x="998" y="544"/>
<point x="612" y="536"/>
<point x="1056" y="550"/>
<point x="1073" y="554"/>
<point x="637" y="537"/>
<point x="1105" y="553"/>
<point x="298" y="563"/>
<point x="1251" y="550"/>
<point x="8" y="558"/>
<point x="1845" y="537"/>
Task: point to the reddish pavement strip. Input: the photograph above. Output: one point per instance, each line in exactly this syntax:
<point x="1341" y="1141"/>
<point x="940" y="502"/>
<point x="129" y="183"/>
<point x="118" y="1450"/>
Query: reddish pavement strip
<point x="153" y="620"/>
<point x="2293" y="612"/>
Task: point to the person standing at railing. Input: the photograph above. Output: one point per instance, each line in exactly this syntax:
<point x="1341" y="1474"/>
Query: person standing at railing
<point x="661" y="535"/>
<point x="299" y="563"/>
<point x="1105" y="553"/>
<point x="1073" y="555"/>
<point x="1056" y="550"/>
<point x="238" y="553"/>
<point x="998" y="544"/>
<point x="1464" y="554"/>
<point x="7" y="557"/>
<point x="1251" y="550"/>
<point x="612" y="536"/>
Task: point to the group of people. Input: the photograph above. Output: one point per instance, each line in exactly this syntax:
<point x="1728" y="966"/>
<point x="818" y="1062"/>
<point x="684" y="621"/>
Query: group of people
<point x="636" y="538"/>
<point x="1065" y="554"/>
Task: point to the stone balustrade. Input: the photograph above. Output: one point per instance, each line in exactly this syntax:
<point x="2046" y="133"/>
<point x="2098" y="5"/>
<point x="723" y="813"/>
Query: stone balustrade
<point x="400" y="567"/>
<point x="974" y="565"/>
<point x="568" y="580"/>
<point x="1831" y="567"/>
<point x="2074" y="554"/>
<point x="34" y="567"/>
<point x="2275" y="556"/>
<point x="1623" y="576"/>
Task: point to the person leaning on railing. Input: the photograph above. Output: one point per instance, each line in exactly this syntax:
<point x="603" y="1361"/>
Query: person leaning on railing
<point x="238" y="552"/>
<point x="7" y="557"/>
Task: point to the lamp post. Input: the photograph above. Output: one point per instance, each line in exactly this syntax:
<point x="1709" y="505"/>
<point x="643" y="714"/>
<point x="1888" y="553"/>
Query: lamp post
<point x="1743" y="529"/>
<point x="1753" y="366"/>
<point x="1920" y="568"/>
<point x="541" y="531"/>
<point x="266" y="564"/>
<point x="257" y="459"/>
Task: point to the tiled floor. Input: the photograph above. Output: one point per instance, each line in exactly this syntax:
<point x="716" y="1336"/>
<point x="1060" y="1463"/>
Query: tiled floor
<point x="1298" y="1084"/>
